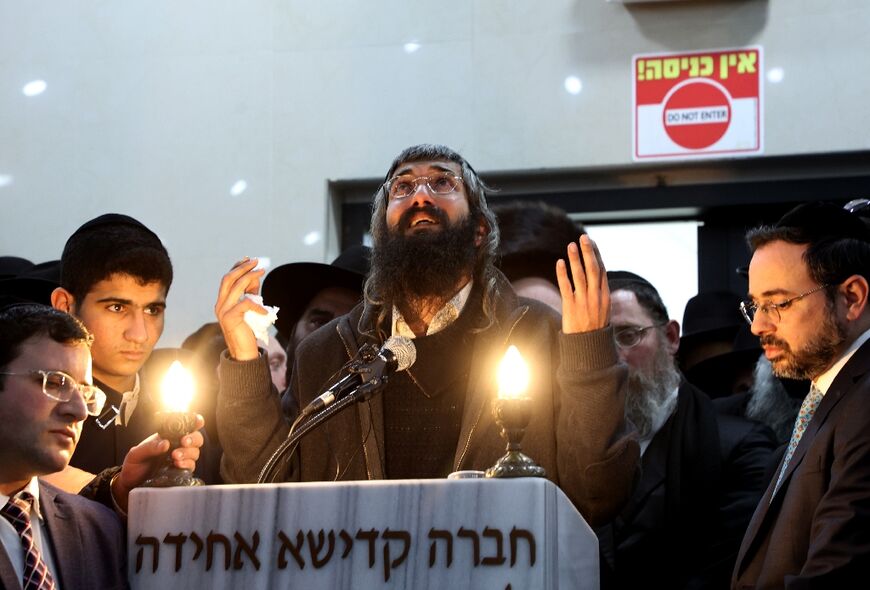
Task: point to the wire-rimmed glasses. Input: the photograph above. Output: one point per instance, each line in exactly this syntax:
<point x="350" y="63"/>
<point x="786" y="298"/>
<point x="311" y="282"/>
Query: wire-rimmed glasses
<point x="772" y="310"/>
<point x="405" y="185"/>
<point x="630" y="336"/>
<point x="60" y="387"/>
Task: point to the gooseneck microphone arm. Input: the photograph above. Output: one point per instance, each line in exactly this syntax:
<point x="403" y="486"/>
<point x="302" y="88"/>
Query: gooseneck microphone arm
<point x="369" y="373"/>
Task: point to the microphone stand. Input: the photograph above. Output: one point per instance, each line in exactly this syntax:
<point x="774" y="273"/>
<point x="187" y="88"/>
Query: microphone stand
<point x="361" y="392"/>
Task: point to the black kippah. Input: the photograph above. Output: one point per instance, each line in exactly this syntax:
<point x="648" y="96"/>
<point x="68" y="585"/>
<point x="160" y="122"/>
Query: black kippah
<point x="112" y="219"/>
<point x="617" y="278"/>
<point x="819" y="221"/>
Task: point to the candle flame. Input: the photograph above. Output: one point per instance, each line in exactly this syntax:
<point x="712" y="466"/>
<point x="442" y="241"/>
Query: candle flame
<point x="513" y="375"/>
<point x="177" y="388"/>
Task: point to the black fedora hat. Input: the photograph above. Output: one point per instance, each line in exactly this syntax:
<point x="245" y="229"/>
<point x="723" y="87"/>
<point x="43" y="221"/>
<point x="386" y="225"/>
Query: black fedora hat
<point x="12" y="266"/>
<point x="34" y="284"/>
<point x="715" y="375"/>
<point x="709" y="315"/>
<point x="291" y="286"/>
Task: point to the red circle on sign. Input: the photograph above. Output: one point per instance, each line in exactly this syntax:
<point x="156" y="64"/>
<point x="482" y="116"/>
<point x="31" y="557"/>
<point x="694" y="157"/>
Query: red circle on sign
<point x="696" y="113"/>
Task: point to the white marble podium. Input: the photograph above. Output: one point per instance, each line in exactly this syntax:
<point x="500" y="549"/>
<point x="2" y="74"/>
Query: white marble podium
<point x="420" y="534"/>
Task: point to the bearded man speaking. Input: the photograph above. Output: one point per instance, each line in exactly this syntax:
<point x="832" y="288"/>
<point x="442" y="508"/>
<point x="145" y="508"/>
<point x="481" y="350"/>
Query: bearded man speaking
<point x="433" y="279"/>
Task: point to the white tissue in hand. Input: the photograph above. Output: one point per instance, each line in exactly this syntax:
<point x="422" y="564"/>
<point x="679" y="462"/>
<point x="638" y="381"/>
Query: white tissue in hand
<point x="258" y="322"/>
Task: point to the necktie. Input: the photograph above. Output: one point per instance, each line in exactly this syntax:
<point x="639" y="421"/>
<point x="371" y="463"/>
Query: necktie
<point x="36" y="574"/>
<point x="808" y="408"/>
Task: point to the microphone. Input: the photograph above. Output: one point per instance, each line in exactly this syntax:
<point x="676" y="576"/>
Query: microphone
<point x="370" y="368"/>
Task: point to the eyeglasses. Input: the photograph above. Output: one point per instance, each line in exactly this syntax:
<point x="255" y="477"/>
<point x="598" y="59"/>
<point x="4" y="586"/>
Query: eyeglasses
<point x="631" y="335"/>
<point x="60" y="387"/>
<point x="750" y="309"/>
<point x="406" y="185"/>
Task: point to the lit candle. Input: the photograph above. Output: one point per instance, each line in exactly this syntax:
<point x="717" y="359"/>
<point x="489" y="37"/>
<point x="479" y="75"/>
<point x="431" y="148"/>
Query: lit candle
<point x="513" y="375"/>
<point x="177" y="388"/>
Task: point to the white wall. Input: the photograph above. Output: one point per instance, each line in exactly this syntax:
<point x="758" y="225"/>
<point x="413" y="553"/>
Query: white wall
<point x="156" y="109"/>
<point x="664" y="253"/>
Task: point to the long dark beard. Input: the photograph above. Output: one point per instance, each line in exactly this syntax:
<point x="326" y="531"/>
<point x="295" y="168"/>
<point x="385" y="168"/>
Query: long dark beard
<point x="648" y="393"/>
<point x="815" y="357"/>
<point x="427" y="264"/>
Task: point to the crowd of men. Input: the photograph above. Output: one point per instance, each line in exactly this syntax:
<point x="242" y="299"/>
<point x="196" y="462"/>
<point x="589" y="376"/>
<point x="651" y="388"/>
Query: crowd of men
<point x="683" y="491"/>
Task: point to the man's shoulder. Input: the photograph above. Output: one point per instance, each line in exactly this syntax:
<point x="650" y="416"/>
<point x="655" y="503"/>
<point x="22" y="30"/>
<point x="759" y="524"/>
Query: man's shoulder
<point x="78" y="507"/>
<point x="532" y="312"/>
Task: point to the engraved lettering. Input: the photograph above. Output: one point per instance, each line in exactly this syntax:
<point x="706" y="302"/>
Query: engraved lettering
<point x="242" y="546"/>
<point x="294" y="549"/>
<point x="155" y="552"/>
<point x="475" y="543"/>
<point x="436" y="534"/>
<point x="177" y="540"/>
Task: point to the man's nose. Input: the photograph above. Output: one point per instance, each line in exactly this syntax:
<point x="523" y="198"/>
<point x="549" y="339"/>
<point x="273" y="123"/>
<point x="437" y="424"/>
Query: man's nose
<point x="75" y="408"/>
<point x="137" y="329"/>
<point x="421" y="194"/>
<point x="761" y="323"/>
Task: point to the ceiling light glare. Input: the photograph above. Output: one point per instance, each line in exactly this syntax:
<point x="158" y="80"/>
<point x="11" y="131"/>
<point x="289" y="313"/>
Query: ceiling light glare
<point x="573" y="85"/>
<point x="775" y="75"/>
<point x="238" y="187"/>
<point x="34" y="88"/>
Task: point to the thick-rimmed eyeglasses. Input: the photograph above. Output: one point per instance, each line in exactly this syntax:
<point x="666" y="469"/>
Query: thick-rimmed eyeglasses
<point x="772" y="310"/>
<point x="631" y="335"/>
<point x="400" y="187"/>
<point x="60" y="387"/>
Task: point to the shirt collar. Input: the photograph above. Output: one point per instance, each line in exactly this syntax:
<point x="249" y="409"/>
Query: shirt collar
<point x="823" y="382"/>
<point x="445" y="316"/>
<point x="129" y="400"/>
<point x="32" y="487"/>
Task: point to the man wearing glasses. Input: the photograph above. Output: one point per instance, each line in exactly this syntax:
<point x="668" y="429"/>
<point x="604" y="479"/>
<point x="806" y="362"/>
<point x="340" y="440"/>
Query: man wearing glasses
<point x="433" y="279"/>
<point x="702" y="472"/>
<point x="808" y="291"/>
<point x="53" y="539"/>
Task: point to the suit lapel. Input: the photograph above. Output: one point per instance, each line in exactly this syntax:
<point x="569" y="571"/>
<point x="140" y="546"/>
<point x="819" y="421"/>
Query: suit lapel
<point x="63" y="530"/>
<point x="8" y="577"/>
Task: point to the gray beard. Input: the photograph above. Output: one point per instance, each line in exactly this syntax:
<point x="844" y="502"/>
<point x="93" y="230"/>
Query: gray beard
<point x="769" y="402"/>
<point x="649" y="396"/>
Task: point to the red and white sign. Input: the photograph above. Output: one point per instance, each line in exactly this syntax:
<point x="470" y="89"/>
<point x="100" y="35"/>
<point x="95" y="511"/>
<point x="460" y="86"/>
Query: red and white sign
<point x="702" y="104"/>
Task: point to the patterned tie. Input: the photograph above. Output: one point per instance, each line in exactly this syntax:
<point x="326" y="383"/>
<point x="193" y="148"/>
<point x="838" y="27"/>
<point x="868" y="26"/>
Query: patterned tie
<point x="808" y="408"/>
<point x="36" y="574"/>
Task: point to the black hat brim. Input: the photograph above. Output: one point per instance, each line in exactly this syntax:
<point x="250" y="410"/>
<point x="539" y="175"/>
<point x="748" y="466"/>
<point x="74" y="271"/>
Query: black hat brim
<point x="292" y="286"/>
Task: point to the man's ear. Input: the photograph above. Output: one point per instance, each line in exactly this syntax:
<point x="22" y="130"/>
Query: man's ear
<point x="672" y="335"/>
<point x="63" y="300"/>
<point x="481" y="233"/>
<point x="855" y="289"/>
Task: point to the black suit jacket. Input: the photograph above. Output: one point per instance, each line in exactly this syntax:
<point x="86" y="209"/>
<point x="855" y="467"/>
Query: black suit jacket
<point x="90" y="546"/>
<point x="815" y="533"/>
<point x="703" y="474"/>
